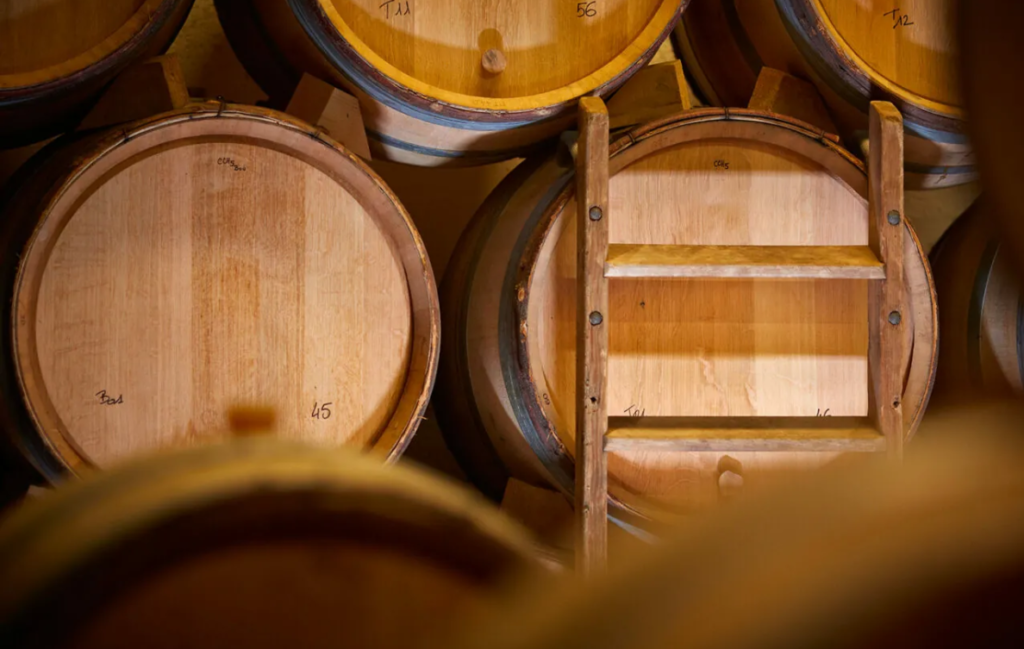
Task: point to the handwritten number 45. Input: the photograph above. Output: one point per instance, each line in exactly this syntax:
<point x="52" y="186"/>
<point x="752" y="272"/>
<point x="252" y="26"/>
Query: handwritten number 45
<point x="322" y="411"/>
<point x="586" y="9"/>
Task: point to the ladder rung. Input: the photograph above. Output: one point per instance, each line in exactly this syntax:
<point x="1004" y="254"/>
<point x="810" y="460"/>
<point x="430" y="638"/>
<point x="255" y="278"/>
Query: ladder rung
<point x="811" y="262"/>
<point x="736" y="434"/>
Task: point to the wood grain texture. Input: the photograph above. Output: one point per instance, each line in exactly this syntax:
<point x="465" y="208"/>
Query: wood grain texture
<point x="438" y="44"/>
<point x="679" y="347"/>
<point x="38" y="35"/>
<point x="778" y="92"/>
<point x="336" y="112"/>
<point x="149" y="88"/>
<point x="300" y="547"/>
<point x="743" y="434"/>
<point x="979" y="297"/>
<point x="853" y="53"/>
<point x="886" y="301"/>
<point x="56" y="56"/>
<point x="779" y="262"/>
<point x="592" y="325"/>
<point x="214" y="257"/>
<point x="652" y="93"/>
<point x="412" y="120"/>
<point x="911" y="44"/>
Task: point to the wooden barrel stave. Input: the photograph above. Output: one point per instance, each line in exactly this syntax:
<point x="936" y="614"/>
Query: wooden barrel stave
<point x="385" y="397"/>
<point x="39" y="102"/>
<point x="792" y="36"/>
<point x="256" y="543"/>
<point x="981" y="318"/>
<point x="407" y="120"/>
<point x="544" y="419"/>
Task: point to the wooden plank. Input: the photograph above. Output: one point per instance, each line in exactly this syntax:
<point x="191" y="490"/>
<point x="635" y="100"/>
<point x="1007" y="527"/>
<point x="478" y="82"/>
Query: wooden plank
<point x="653" y="92"/>
<point x="333" y="110"/>
<point x="778" y="92"/>
<point x="737" y="434"/>
<point x="887" y="312"/>
<point x="815" y="262"/>
<point x="591" y="338"/>
<point x="149" y="88"/>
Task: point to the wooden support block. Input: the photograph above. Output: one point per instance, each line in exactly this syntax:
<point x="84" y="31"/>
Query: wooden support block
<point x="773" y="262"/>
<point x="652" y="93"/>
<point x="149" y="88"/>
<point x="591" y="338"/>
<point x="333" y="110"/>
<point x="547" y="513"/>
<point x="666" y="53"/>
<point x="778" y="92"/>
<point x="886" y="308"/>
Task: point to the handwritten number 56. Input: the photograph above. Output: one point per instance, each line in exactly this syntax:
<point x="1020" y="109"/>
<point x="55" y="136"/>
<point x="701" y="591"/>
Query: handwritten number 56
<point x="322" y="411"/>
<point x="586" y="9"/>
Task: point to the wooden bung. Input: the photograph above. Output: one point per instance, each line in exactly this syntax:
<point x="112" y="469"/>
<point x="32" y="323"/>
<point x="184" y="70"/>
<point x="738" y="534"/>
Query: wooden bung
<point x="164" y="272"/>
<point x="493" y="61"/>
<point x="451" y="83"/>
<point x="56" y="56"/>
<point x="853" y="53"/>
<point x="258" y="543"/>
<point x="738" y="318"/>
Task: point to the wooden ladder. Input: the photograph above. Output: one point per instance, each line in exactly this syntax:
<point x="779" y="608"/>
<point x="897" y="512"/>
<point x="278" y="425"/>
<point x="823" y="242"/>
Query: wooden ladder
<point x="881" y="262"/>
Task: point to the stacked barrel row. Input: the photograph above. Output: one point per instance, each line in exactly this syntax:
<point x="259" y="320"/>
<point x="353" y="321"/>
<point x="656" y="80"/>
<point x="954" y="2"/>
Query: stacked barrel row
<point x="274" y="267"/>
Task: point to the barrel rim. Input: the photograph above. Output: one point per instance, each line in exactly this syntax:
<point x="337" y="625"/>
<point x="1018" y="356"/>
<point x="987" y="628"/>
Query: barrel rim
<point x="392" y="438"/>
<point x="94" y="518"/>
<point x="126" y="43"/>
<point x="561" y="458"/>
<point x="458" y="412"/>
<point x="385" y="83"/>
<point x="852" y="78"/>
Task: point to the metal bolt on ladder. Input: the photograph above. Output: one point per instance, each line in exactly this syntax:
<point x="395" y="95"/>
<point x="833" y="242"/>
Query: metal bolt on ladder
<point x="880" y="262"/>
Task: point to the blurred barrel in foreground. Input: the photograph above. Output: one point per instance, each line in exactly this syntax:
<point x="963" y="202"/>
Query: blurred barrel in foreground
<point x="170" y="270"/>
<point x="854" y="52"/>
<point x="980" y="352"/>
<point x="729" y="357"/>
<point x="57" y="55"/>
<point x="254" y="544"/>
<point x="462" y="82"/>
<point x="928" y="554"/>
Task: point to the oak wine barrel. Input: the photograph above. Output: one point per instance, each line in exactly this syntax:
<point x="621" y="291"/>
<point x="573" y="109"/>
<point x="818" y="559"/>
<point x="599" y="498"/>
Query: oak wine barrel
<point x="257" y="543"/>
<point x="163" y="273"/>
<point x="451" y="83"/>
<point x="854" y="52"/>
<point x="923" y="554"/>
<point x="56" y="56"/>
<point x="982" y="319"/>
<point x="701" y="348"/>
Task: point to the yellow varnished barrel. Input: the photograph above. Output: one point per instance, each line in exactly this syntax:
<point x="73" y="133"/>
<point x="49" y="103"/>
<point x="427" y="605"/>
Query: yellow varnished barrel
<point x="454" y="82"/>
<point x="854" y="52"/>
<point x="56" y="56"/>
